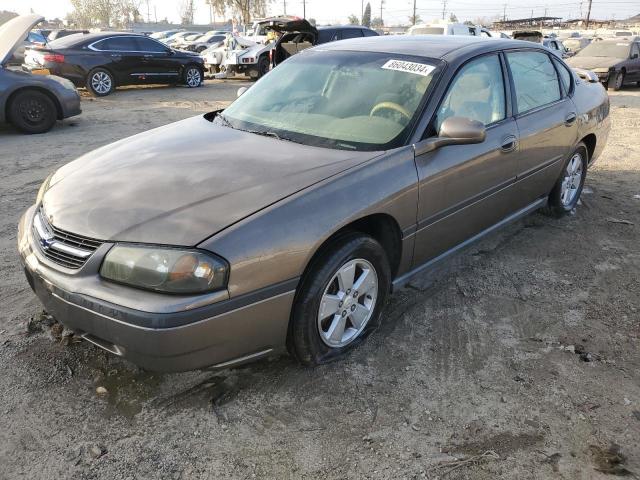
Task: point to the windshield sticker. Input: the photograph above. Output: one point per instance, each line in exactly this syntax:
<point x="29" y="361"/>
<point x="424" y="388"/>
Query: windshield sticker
<point x="409" y="67"/>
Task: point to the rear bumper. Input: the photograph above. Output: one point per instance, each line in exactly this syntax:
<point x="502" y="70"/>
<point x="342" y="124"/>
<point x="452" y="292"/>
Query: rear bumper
<point x="222" y="334"/>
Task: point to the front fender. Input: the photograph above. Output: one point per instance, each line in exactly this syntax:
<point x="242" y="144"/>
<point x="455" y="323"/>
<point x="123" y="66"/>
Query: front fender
<point x="277" y="243"/>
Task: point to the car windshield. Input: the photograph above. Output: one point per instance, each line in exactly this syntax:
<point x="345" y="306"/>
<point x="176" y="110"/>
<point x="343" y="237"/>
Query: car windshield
<point x="605" y="49"/>
<point x="337" y="99"/>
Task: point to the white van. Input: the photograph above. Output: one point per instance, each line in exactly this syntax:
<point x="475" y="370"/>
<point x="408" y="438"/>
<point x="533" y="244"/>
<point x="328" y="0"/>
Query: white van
<point x="441" y="28"/>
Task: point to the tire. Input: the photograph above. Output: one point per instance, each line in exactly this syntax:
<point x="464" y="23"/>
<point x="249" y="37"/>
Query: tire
<point x="32" y="112"/>
<point x="310" y="338"/>
<point x="566" y="192"/>
<point x="263" y="66"/>
<point x="192" y="76"/>
<point x="617" y="81"/>
<point x="100" y="82"/>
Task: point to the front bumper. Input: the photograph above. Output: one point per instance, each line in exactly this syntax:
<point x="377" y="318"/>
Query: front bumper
<point x="221" y="334"/>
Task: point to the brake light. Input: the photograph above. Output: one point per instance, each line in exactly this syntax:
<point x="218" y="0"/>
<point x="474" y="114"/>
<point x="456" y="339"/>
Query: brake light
<point x="53" y="58"/>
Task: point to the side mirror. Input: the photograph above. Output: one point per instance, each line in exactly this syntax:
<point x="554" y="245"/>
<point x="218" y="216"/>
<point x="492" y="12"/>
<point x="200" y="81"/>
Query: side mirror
<point x="241" y="91"/>
<point x="454" y="131"/>
<point x="170" y="51"/>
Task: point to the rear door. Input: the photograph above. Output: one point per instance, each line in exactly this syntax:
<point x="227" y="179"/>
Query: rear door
<point x="120" y="53"/>
<point x="547" y="121"/>
<point x="465" y="189"/>
<point x="633" y="68"/>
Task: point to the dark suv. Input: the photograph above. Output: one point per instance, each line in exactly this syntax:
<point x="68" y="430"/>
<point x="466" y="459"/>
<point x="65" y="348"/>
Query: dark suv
<point x="103" y="61"/>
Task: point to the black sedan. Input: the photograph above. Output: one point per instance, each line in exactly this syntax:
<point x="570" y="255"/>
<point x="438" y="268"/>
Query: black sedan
<point x="103" y="61"/>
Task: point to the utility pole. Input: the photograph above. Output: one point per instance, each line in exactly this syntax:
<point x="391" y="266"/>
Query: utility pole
<point x="361" y="11"/>
<point x="504" y="12"/>
<point x="588" y="14"/>
<point x="414" y="12"/>
<point x="285" y="6"/>
<point x="444" y="8"/>
<point x="304" y="8"/>
<point x="381" y="4"/>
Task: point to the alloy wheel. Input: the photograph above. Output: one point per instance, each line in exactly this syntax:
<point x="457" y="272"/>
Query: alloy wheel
<point x="101" y="83"/>
<point x="572" y="180"/>
<point x="619" y="80"/>
<point x="347" y="303"/>
<point x="193" y="77"/>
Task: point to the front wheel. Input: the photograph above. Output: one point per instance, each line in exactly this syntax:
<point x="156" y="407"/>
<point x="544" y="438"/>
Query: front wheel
<point x="32" y="112"/>
<point x="566" y="192"/>
<point x="617" y="81"/>
<point x="192" y="77"/>
<point x="339" y="300"/>
<point x="263" y="66"/>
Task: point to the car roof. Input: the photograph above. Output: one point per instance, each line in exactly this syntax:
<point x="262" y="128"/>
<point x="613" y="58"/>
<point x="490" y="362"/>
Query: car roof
<point x="433" y="46"/>
<point x="344" y="27"/>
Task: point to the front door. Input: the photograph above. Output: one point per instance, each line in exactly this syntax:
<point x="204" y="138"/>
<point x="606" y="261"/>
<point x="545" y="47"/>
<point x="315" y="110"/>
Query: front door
<point x="465" y="189"/>
<point x="158" y="62"/>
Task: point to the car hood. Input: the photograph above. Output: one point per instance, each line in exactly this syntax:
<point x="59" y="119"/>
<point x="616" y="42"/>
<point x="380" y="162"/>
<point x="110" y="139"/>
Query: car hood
<point x="181" y="183"/>
<point x="13" y="32"/>
<point x="593" y="62"/>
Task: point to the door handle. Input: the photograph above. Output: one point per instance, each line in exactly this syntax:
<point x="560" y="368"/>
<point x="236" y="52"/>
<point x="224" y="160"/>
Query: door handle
<point x="568" y="121"/>
<point x="509" y="144"/>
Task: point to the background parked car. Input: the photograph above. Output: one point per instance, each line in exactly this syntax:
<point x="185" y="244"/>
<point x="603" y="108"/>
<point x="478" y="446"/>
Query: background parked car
<point x="179" y="37"/>
<point x="165" y="34"/>
<point x="106" y="60"/>
<point x="557" y="47"/>
<point x="57" y="34"/>
<point x="440" y="28"/>
<point x="201" y="43"/>
<point x="32" y="103"/>
<point x="616" y="62"/>
<point x="33" y="39"/>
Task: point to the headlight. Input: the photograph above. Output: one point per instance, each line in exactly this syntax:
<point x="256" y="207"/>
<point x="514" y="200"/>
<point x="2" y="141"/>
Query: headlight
<point x="166" y="270"/>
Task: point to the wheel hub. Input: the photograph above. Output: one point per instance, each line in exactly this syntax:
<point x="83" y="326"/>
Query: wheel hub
<point x="348" y="303"/>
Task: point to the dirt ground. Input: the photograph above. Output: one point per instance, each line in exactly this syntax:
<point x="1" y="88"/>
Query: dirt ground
<point x="519" y="359"/>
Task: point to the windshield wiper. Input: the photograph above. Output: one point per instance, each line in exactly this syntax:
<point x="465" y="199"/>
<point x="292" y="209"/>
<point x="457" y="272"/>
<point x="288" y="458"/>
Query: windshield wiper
<point x="224" y="121"/>
<point x="271" y="134"/>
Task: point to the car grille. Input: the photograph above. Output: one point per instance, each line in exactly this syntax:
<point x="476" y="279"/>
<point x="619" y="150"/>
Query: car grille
<point x="64" y="248"/>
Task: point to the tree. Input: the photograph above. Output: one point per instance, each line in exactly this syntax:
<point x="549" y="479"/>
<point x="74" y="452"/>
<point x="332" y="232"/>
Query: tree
<point x="104" y="13"/>
<point x="453" y="18"/>
<point x="366" y="17"/>
<point x="353" y="20"/>
<point x="414" y="20"/>
<point x="186" y="10"/>
<point x="377" y="23"/>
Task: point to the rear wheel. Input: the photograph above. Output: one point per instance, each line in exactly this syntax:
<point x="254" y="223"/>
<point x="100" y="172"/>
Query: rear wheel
<point x="617" y="81"/>
<point x="263" y="66"/>
<point x="340" y="300"/>
<point x="31" y="111"/>
<point x="100" y="82"/>
<point x="566" y="192"/>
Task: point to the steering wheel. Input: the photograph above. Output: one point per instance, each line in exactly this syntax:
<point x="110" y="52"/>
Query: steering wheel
<point x="391" y="106"/>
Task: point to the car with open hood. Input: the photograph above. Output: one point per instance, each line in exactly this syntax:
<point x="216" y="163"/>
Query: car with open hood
<point x="616" y="62"/>
<point x="283" y="222"/>
<point x="32" y="103"/>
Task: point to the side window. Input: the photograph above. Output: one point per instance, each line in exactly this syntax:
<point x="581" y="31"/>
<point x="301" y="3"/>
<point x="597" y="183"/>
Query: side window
<point x="351" y="33"/>
<point x="325" y="36"/>
<point x="635" y="51"/>
<point x="565" y="76"/>
<point x="535" y="79"/>
<point x="117" y="44"/>
<point x="147" y="45"/>
<point x="369" y="33"/>
<point x="477" y="92"/>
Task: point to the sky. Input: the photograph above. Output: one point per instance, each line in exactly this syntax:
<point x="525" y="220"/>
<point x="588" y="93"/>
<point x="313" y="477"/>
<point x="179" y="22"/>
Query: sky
<point x="393" y="12"/>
